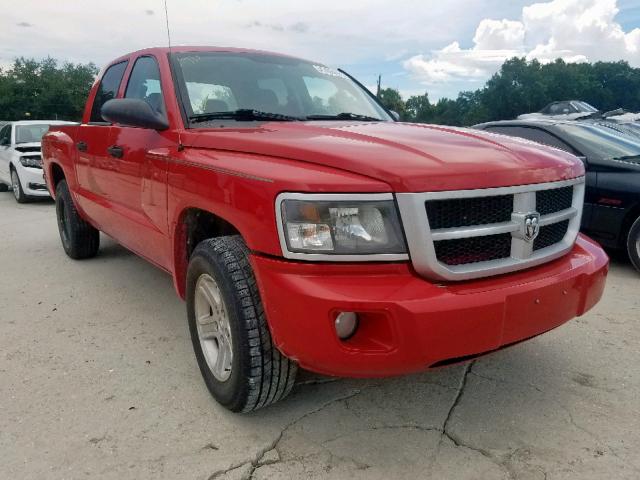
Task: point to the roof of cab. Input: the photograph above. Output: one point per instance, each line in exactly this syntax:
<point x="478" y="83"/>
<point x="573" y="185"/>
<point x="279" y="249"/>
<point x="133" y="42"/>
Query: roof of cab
<point x="196" y="48"/>
<point x="39" y="122"/>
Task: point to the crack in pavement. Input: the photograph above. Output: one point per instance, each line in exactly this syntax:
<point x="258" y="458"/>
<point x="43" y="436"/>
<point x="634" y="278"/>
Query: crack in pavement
<point x="256" y="459"/>
<point x="501" y="460"/>
<point x="565" y="408"/>
<point x="456" y="440"/>
<point x="504" y="460"/>
<point x="456" y="400"/>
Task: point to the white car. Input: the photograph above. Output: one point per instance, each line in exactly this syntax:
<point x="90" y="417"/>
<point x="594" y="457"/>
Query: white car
<point x="20" y="159"/>
<point x="565" y="110"/>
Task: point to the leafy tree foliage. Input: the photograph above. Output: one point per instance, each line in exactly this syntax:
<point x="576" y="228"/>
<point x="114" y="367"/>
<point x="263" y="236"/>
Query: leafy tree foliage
<point x="32" y="89"/>
<point x="392" y="99"/>
<point x="46" y="90"/>
<point x="523" y="86"/>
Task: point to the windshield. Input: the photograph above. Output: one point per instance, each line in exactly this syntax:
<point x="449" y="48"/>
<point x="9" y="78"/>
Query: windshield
<point x="30" y="133"/>
<point x="625" y="128"/>
<point x="214" y="82"/>
<point x="583" y="107"/>
<point x="602" y="141"/>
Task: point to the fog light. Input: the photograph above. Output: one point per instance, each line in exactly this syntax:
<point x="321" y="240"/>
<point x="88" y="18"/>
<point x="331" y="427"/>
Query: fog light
<point x="346" y="324"/>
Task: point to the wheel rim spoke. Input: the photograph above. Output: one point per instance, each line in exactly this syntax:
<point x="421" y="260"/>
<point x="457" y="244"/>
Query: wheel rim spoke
<point x="15" y="184"/>
<point x="214" y="332"/>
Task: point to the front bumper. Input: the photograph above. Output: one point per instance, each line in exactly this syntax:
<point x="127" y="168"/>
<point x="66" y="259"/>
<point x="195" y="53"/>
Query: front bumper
<point x="408" y="324"/>
<point x="32" y="180"/>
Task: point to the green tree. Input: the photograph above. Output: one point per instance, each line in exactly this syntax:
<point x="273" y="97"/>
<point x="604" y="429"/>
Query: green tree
<point x="391" y="99"/>
<point x="419" y="109"/>
<point x="32" y="89"/>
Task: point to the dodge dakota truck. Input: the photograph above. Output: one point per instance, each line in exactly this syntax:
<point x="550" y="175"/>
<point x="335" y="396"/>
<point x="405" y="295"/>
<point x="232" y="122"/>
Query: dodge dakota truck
<point x="306" y="227"/>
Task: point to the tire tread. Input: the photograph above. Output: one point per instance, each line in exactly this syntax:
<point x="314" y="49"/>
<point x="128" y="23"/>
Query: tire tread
<point x="84" y="239"/>
<point x="270" y="375"/>
<point x="632" y="239"/>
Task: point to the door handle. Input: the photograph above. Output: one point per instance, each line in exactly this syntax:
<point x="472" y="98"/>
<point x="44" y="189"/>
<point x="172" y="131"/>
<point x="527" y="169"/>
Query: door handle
<point x="115" y="151"/>
<point x="81" y="146"/>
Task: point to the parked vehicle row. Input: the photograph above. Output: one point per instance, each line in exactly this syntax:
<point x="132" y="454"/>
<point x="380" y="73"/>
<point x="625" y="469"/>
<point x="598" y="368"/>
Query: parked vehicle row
<point x="305" y="227"/>
<point x="21" y="160"/>
<point x="565" y="109"/>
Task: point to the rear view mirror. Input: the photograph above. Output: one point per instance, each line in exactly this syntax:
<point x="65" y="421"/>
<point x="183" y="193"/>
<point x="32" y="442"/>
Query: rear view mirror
<point x="133" y="112"/>
<point x="395" y="115"/>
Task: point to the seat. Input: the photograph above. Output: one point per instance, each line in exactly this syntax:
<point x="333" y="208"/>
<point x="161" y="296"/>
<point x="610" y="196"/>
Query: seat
<point x="266" y="100"/>
<point x="215" y="105"/>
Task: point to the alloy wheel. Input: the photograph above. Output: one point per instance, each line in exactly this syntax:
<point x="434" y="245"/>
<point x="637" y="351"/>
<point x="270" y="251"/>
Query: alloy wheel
<point x="214" y="329"/>
<point x="15" y="184"/>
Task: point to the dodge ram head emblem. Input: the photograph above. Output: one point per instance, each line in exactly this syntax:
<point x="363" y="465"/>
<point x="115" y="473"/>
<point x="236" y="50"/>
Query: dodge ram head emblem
<point x="531" y="226"/>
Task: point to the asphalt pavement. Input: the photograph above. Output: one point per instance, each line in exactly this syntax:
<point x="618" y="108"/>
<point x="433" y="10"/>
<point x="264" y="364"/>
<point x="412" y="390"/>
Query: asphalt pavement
<point x="98" y="380"/>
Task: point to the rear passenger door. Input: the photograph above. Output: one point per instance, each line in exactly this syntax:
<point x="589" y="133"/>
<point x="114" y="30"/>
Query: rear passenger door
<point x="137" y="179"/>
<point x="92" y="161"/>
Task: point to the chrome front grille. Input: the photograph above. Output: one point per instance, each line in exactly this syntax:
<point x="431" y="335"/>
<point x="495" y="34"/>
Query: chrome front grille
<point x="551" y="234"/>
<point x="462" y="251"/>
<point x="460" y="212"/>
<point x="458" y="235"/>
<point x="554" y="200"/>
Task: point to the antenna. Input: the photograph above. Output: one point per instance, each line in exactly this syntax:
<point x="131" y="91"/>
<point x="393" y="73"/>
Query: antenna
<point x="166" y="17"/>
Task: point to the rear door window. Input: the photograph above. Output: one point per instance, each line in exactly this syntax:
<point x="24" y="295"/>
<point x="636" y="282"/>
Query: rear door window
<point x="107" y="90"/>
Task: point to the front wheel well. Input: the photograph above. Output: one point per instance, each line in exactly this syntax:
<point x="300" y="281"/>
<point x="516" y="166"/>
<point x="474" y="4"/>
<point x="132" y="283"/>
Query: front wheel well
<point x="194" y="226"/>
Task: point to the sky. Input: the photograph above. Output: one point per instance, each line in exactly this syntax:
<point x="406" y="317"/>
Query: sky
<point x="439" y="47"/>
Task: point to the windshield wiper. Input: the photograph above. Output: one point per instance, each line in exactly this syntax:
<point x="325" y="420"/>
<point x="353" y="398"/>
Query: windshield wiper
<point x="241" y="115"/>
<point x="344" y="116"/>
<point x="627" y="157"/>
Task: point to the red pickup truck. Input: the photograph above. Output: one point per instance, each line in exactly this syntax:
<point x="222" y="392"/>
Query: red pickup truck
<point x="305" y="226"/>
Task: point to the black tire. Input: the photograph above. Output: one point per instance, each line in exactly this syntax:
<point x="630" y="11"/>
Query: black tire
<point x="79" y="239"/>
<point x="4" y="187"/>
<point x="633" y="244"/>
<point x="260" y="374"/>
<point x="18" y="193"/>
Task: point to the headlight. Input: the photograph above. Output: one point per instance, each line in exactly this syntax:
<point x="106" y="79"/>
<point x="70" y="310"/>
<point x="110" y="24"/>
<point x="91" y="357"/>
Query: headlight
<point x="34" y="161"/>
<point x="340" y="227"/>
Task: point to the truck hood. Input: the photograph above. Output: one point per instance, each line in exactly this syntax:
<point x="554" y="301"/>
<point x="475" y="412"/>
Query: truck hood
<point x="408" y="157"/>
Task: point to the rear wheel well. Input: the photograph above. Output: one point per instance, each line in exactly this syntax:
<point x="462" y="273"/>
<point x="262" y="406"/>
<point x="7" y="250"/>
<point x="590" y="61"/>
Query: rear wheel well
<point x="194" y="226"/>
<point x="57" y="175"/>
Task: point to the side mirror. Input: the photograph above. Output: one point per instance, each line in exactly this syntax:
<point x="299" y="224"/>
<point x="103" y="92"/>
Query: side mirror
<point x="395" y="115"/>
<point x="133" y="112"/>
